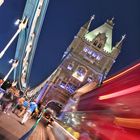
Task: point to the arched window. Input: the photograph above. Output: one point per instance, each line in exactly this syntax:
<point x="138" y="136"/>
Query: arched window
<point x="70" y="66"/>
<point x="80" y="73"/>
<point x="99" y="45"/>
<point x="85" y="49"/>
<point x="89" y="79"/>
<point x="62" y="84"/>
<point x="98" y="57"/>
<point x="94" y="54"/>
<point x="70" y="88"/>
<point x="90" y="52"/>
<point x="95" y="42"/>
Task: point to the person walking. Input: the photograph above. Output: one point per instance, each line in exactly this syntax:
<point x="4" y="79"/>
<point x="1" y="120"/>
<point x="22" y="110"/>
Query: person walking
<point x="7" y="101"/>
<point x="18" y="105"/>
<point x="2" y="92"/>
<point x="32" y="107"/>
<point x="23" y="108"/>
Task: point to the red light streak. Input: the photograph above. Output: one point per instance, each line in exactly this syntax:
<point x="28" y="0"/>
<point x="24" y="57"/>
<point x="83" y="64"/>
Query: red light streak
<point x="120" y="93"/>
<point x="122" y="73"/>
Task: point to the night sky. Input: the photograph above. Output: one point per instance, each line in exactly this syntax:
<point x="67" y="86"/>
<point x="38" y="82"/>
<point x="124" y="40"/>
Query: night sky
<point x="63" y="20"/>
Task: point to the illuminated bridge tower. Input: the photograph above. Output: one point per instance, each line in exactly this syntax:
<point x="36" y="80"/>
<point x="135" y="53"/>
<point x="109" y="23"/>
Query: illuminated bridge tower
<point x="89" y="58"/>
<point x="34" y="13"/>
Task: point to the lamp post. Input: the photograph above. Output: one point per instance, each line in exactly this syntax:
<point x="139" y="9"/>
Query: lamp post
<point x="1" y="2"/>
<point x="22" y="26"/>
<point x="14" y="83"/>
<point x="14" y="65"/>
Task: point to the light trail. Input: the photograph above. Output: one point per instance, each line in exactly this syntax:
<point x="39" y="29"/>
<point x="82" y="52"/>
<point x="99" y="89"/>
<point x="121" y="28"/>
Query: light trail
<point x="121" y="93"/>
<point x="122" y="73"/>
<point x="128" y="122"/>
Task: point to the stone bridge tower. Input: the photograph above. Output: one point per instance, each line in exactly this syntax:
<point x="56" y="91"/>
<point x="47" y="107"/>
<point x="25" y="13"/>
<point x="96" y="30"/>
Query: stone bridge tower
<point x="89" y="58"/>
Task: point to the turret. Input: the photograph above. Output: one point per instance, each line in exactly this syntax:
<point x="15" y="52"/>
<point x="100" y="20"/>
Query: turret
<point x="110" y="22"/>
<point x="116" y="50"/>
<point x="85" y="28"/>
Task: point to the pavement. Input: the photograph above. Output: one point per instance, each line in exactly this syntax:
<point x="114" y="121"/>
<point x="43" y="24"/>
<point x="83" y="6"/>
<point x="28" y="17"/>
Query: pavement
<point x="11" y="129"/>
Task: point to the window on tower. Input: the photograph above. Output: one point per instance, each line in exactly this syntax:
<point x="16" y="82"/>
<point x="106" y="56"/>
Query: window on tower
<point x="91" y="55"/>
<point x="62" y="84"/>
<point x="85" y="49"/>
<point x="98" y="57"/>
<point x="89" y="79"/>
<point x="90" y="52"/>
<point x="100" y="45"/>
<point x="95" y="43"/>
<point x="70" y="88"/>
<point x="80" y="73"/>
<point x="94" y="54"/>
<point x="70" y="66"/>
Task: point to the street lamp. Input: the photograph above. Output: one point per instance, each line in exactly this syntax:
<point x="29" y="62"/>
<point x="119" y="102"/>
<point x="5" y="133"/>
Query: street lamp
<point x="17" y="22"/>
<point x="14" y="83"/>
<point x="22" y="26"/>
<point x="1" y="2"/>
<point x="14" y="65"/>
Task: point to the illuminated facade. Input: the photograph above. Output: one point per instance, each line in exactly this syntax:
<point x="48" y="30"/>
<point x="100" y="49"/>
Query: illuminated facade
<point x="89" y="58"/>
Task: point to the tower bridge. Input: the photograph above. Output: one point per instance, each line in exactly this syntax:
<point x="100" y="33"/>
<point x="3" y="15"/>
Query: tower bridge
<point x="88" y="58"/>
<point x="34" y="14"/>
<point x="92" y="112"/>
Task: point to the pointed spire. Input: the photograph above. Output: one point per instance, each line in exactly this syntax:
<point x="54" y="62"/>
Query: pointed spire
<point x="110" y="22"/>
<point x="87" y="25"/>
<point x="119" y="44"/>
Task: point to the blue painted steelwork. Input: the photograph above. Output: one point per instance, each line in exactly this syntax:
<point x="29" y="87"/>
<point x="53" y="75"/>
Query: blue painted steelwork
<point x="27" y="42"/>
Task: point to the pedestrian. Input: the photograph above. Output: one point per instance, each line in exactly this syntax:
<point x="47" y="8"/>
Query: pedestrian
<point x="39" y="111"/>
<point x="7" y="101"/>
<point x="10" y="104"/>
<point x="19" y="104"/>
<point x="23" y="108"/>
<point x="2" y="92"/>
<point x="32" y="107"/>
